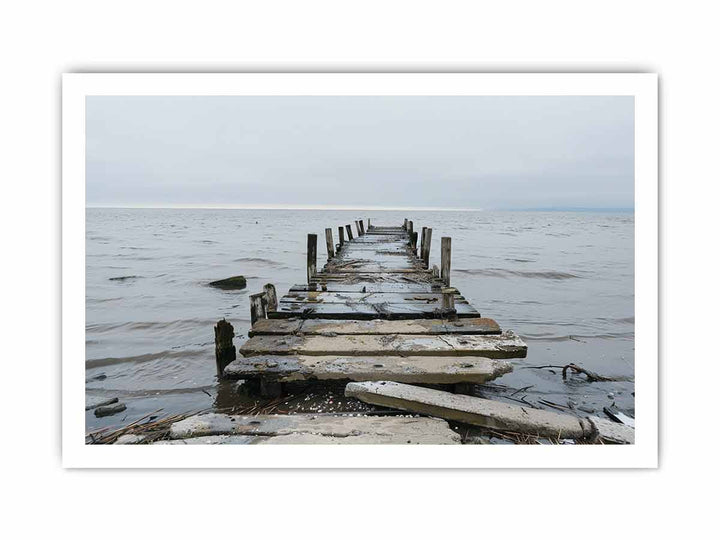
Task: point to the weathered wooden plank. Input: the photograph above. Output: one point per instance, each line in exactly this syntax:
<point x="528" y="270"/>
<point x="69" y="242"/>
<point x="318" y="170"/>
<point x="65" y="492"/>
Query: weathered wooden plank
<point x="408" y="369"/>
<point x="367" y="287"/>
<point x="472" y="410"/>
<point x="216" y="428"/>
<point x="478" y="326"/>
<point x="366" y="311"/>
<point x="322" y="297"/>
<point x="376" y="277"/>
<point x="505" y="345"/>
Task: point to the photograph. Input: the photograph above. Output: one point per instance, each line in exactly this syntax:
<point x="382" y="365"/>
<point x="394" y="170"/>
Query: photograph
<point x="302" y="268"/>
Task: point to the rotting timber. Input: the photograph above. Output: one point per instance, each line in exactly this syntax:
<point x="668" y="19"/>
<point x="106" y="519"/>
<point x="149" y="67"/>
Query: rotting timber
<point x="376" y="311"/>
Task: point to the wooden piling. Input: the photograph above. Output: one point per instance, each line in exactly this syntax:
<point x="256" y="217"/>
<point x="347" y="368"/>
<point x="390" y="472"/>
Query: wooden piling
<point x="258" y="307"/>
<point x="362" y="228"/>
<point x="414" y="242"/>
<point x="357" y="228"/>
<point x="341" y="235"/>
<point x="410" y="232"/>
<point x="271" y="297"/>
<point x="349" y="231"/>
<point x="445" y="253"/>
<point x="422" y="243"/>
<point x="448" y="299"/>
<point x="311" y="256"/>
<point x="369" y="226"/>
<point x="224" y="348"/>
<point x="329" y="243"/>
<point x="426" y="253"/>
<point x="405" y="224"/>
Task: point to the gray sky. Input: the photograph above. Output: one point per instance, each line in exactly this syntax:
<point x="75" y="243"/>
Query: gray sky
<point x="454" y="152"/>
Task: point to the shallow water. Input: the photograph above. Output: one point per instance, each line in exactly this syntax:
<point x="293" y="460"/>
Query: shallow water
<point x="561" y="280"/>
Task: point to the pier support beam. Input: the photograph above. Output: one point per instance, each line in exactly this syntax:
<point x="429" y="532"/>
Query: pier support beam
<point x="311" y="256"/>
<point x="341" y="235"/>
<point x="349" y="231"/>
<point x="445" y="254"/>
<point x="271" y="297"/>
<point x="329" y="243"/>
<point x="258" y="306"/>
<point x="426" y="252"/>
<point x="224" y="348"/>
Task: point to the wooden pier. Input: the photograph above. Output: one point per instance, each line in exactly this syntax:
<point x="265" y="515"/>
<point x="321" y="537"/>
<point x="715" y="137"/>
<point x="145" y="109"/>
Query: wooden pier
<point x="380" y="319"/>
<point x="376" y="311"/>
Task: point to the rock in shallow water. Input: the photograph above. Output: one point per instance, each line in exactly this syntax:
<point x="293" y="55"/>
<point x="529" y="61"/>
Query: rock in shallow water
<point x="109" y="410"/>
<point x="235" y="282"/>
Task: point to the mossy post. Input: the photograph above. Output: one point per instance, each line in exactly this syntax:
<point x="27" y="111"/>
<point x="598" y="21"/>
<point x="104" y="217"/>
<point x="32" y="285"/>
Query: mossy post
<point x="224" y="348"/>
<point x="311" y="256"/>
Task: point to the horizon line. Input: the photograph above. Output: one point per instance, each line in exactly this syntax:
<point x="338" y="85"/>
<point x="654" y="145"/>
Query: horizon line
<point x="211" y="206"/>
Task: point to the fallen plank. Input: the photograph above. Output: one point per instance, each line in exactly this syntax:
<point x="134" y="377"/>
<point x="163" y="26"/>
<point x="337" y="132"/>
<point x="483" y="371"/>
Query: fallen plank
<point x="506" y="345"/>
<point x="472" y="410"/>
<point x="468" y="326"/>
<point x="366" y="311"/>
<point x="409" y="369"/>
<point x="311" y="429"/>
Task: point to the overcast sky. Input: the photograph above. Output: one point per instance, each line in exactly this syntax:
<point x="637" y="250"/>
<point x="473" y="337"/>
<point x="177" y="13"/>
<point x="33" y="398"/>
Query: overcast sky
<point x="450" y="152"/>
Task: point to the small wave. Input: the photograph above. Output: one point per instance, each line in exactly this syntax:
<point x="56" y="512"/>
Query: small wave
<point x="142" y="358"/>
<point x="150" y="325"/>
<point x="123" y="278"/>
<point x="577" y="337"/>
<point x="260" y="260"/>
<point x="500" y="272"/>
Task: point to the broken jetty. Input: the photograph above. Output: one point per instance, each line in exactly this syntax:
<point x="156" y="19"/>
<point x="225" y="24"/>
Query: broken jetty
<point x="380" y="319"/>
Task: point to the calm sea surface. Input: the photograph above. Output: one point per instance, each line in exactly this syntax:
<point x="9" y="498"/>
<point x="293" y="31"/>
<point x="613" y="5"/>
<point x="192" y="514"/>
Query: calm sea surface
<point x="563" y="281"/>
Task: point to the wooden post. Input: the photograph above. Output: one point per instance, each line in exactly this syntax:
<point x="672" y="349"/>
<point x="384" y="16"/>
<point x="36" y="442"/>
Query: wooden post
<point x="448" y="298"/>
<point x="369" y="226"/>
<point x="271" y="297"/>
<point x="311" y="256"/>
<point x="349" y="231"/>
<point x="224" y="348"/>
<point x="445" y="252"/>
<point x="410" y="231"/>
<point x="435" y="271"/>
<point x="329" y="243"/>
<point x="357" y="227"/>
<point x="422" y="243"/>
<point x="258" y="306"/>
<point x="362" y="228"/>
<point x="414" y="242"/>
<point x="405" y="224"/>
<point x="341" y="235"/>
<point x="428" y="241"/>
